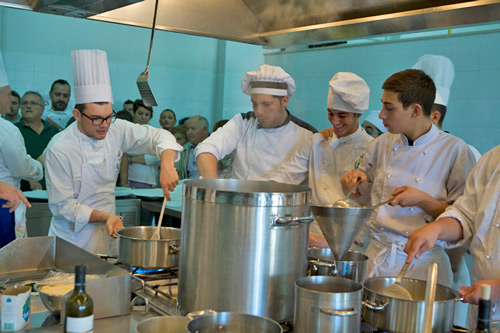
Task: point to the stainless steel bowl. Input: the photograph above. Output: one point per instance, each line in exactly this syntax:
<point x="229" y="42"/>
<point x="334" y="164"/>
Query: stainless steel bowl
<point x="53" y="303"/>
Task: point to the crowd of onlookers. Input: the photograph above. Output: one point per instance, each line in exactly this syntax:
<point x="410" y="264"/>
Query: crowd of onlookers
<point x="38" y="121"/>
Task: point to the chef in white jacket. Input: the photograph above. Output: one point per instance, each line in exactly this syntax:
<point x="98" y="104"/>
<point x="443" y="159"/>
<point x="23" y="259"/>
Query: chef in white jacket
<point x="329" y="159"/>
<point x="15" y="164"/>
<point x="82" y="162"/>
<point x="261" y="139"/>
<point x="473" y="219"/>
<point x="422" y="168"/>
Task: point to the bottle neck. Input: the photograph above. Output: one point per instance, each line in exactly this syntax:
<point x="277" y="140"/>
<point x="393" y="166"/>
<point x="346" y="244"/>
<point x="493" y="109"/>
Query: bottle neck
<point x="80" y="287"/>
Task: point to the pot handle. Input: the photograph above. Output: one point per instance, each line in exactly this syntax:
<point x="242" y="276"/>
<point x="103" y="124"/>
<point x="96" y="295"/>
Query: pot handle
<point x="173" y="249"/>
<point x="374" y="307"/>
<point x="459" y="299"/>
<point x="289" y="221"/>
<point x="339" y="313"/>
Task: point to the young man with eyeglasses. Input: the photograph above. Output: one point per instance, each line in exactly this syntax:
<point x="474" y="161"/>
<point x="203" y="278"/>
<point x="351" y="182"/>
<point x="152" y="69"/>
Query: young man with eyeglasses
<point x="82" y="162"/>
<point x="36" y="132"/>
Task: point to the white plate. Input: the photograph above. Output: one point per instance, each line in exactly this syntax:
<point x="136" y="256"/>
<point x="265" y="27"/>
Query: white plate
<point x="123" y="191"/>
<point x="36" y="194"/>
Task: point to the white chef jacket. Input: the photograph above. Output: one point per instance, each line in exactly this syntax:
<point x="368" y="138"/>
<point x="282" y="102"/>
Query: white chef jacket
<point x="327" y="162"/>
<point x="59" y="117"/>
<point x="67" y="154"/>
<point x="145" y="173"/>
<point x="16" y="164"/>
<point x="259" y="152"/>
<point x="437" y="163"/>
<point x="478" y="210"/>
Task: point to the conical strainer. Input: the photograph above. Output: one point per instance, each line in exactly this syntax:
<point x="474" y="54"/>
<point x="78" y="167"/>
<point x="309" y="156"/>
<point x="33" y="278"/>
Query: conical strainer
<point x="341" y="226"/>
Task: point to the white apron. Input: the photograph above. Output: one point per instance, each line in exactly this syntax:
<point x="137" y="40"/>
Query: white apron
<point x="386" y="258"/>
<point x="97" y="190"/>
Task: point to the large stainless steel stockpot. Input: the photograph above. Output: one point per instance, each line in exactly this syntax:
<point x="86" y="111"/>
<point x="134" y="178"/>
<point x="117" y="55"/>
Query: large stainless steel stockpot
<point x="323" y="262"/>
<point x="163" y="324"/>
<point x="233" y="323"/>
<point x="406" y="316"/>
<point x="327" y="304"/>
<point x="137" y="249"/>
<point x="243" y="245"/>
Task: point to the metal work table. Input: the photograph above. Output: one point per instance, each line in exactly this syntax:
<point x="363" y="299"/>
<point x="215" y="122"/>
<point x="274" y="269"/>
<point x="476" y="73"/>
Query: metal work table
<point x="172" y="208"/>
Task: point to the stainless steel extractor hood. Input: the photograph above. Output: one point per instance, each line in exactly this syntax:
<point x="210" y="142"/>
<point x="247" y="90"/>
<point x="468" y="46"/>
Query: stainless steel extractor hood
<point x="281" y="23"/>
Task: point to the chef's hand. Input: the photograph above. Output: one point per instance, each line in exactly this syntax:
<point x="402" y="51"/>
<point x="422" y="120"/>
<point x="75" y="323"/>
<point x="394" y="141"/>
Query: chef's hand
<point x="113" y="224"/>
<point x="327" y="133"/>
<point x="421" y="240"/>
<point x="471" y="294"/>
<point x="350" y="179"/>
<point x="168" y="181"/>
<point x="13" y="197"/>
<point x="407" y="196"/>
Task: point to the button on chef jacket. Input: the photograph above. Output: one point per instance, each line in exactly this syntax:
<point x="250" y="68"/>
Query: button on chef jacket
<point x="478" y="210"/>
<point x="65" y="157"/>
<point x="16" y="164"/>
<point x="258" y="151"/>
<point x="327" y="161"/>
<point x="437" y="163"/>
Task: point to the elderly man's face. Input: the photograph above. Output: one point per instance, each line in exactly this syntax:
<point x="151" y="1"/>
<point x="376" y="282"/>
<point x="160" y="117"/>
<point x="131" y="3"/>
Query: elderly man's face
<point x="6" y="99"/>
<point x="270" y="110"/>
<point x="59" y="96"/>
<point x="31" y="107"/>
<point x="196" y="133"/>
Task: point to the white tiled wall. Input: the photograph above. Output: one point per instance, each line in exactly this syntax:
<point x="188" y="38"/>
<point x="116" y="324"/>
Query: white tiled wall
<point x="474" y="106"/>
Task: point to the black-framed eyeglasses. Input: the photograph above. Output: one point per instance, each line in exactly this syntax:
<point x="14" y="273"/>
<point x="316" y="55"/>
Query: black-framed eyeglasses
<point x="28" y="103"/>
<point x="98" y="121"/>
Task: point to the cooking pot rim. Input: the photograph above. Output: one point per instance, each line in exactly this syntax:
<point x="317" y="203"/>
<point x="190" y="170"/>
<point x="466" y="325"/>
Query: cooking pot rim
<point x="357" y="285"/>
<point x="120" y="234"/>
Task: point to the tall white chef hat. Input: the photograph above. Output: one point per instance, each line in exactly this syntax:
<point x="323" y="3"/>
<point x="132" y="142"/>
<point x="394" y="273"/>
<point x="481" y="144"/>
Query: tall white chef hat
<point x="4" y="81"/>
<point x="442" y="72"/>
<point x="269" y="80"/>
<point x="91" y="76"/>
<point x="348" y="92"/>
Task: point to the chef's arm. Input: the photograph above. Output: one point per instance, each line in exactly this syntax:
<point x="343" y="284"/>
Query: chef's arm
<point x="13" y="197"/>
<point x="423" y="239"/>
<point x="472" y="294"/>
<point x="406" y="196"/>
<point x="124" y="170"/>
<point x="168" y="175"/>
<point x="349" y="180"/>
<point x="112" y="222"/>
<point x="207" y="166"/>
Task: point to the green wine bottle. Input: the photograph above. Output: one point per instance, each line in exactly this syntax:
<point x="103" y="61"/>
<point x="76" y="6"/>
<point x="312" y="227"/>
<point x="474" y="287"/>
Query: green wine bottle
<point x="79" y="306"/>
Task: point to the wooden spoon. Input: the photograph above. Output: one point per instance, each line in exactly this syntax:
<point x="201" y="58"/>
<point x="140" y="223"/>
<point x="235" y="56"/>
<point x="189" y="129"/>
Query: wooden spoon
<point x="156" y="234"/>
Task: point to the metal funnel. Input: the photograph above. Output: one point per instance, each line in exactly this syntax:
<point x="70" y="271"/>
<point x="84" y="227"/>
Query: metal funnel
<point x="341" y="226"/>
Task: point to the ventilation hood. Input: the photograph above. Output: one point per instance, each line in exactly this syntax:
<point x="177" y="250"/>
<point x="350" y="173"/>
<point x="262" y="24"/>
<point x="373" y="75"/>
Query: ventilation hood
<point x="281" y="23"/>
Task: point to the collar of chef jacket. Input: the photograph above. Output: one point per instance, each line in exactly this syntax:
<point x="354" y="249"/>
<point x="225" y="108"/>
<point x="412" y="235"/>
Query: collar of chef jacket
<point x="353" y="138"/>
<point x="424" y="139"/>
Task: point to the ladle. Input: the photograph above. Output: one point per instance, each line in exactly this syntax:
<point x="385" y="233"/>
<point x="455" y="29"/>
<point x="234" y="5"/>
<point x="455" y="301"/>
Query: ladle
<point x="396" y="290"/>
<point x="381" y="204"/>
<point x="345" y="202"/>
<point x="156" y="234"/>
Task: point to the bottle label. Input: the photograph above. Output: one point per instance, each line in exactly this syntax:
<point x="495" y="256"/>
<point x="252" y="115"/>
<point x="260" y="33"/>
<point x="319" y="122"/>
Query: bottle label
<point x="80" y="324"/>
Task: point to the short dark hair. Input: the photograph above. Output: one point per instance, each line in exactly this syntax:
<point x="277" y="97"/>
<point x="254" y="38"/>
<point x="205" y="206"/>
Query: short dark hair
<point x="128" y="101"/>
<point x="139" y="103"/>
<point x="31" y="92"/>
<point x="15" y="94"/>
<point x="413" y="86"/>
<point x="175" y="116"/>
<point x="442" y="110"/>
<point x="59" y="81"/>
<point x="81" y="107"/>
<point x="125" y="115"/>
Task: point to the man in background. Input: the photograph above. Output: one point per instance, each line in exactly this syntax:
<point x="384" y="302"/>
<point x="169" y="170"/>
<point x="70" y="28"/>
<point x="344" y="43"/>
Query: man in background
<point x="197" y="131"/>
<point x="59" y="113"/>
<point x="35" y="131"/>
<point x="13" y="116"/>
<point x="129" y="107"/>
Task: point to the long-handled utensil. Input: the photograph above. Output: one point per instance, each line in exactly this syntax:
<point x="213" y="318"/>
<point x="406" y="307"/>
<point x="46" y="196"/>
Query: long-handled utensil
<point x="142" y="80"/>
<point x="381" y="204"/>
<point x="430" y="296"/>
<point x="396" y="290"/>
<point x="346" y="203"/>
<point x="156" y="234"/>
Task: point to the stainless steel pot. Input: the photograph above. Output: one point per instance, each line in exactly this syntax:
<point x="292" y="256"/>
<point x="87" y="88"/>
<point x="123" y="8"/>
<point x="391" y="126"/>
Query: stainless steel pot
<point x="243" y="245"/>
<point x="398" y="315"/>
<point x="135" y="247"/>
<point x="322" y="262"/>
<point x="163" y="324"/>
<point x="233" y="323"/>
<point x="327" y="304"/>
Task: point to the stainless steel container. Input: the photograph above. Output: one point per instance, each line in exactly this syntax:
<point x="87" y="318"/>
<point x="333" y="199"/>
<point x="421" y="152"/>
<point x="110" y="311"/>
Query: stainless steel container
<point x="322" y="262"/>
<point x="163" y="324"/>
<point x="137" y="249"/>
<point x="327" y="304"/>
<point x="233" y="323"/>
<point x="403" y="316"/>
<point x="243" y="245"/>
